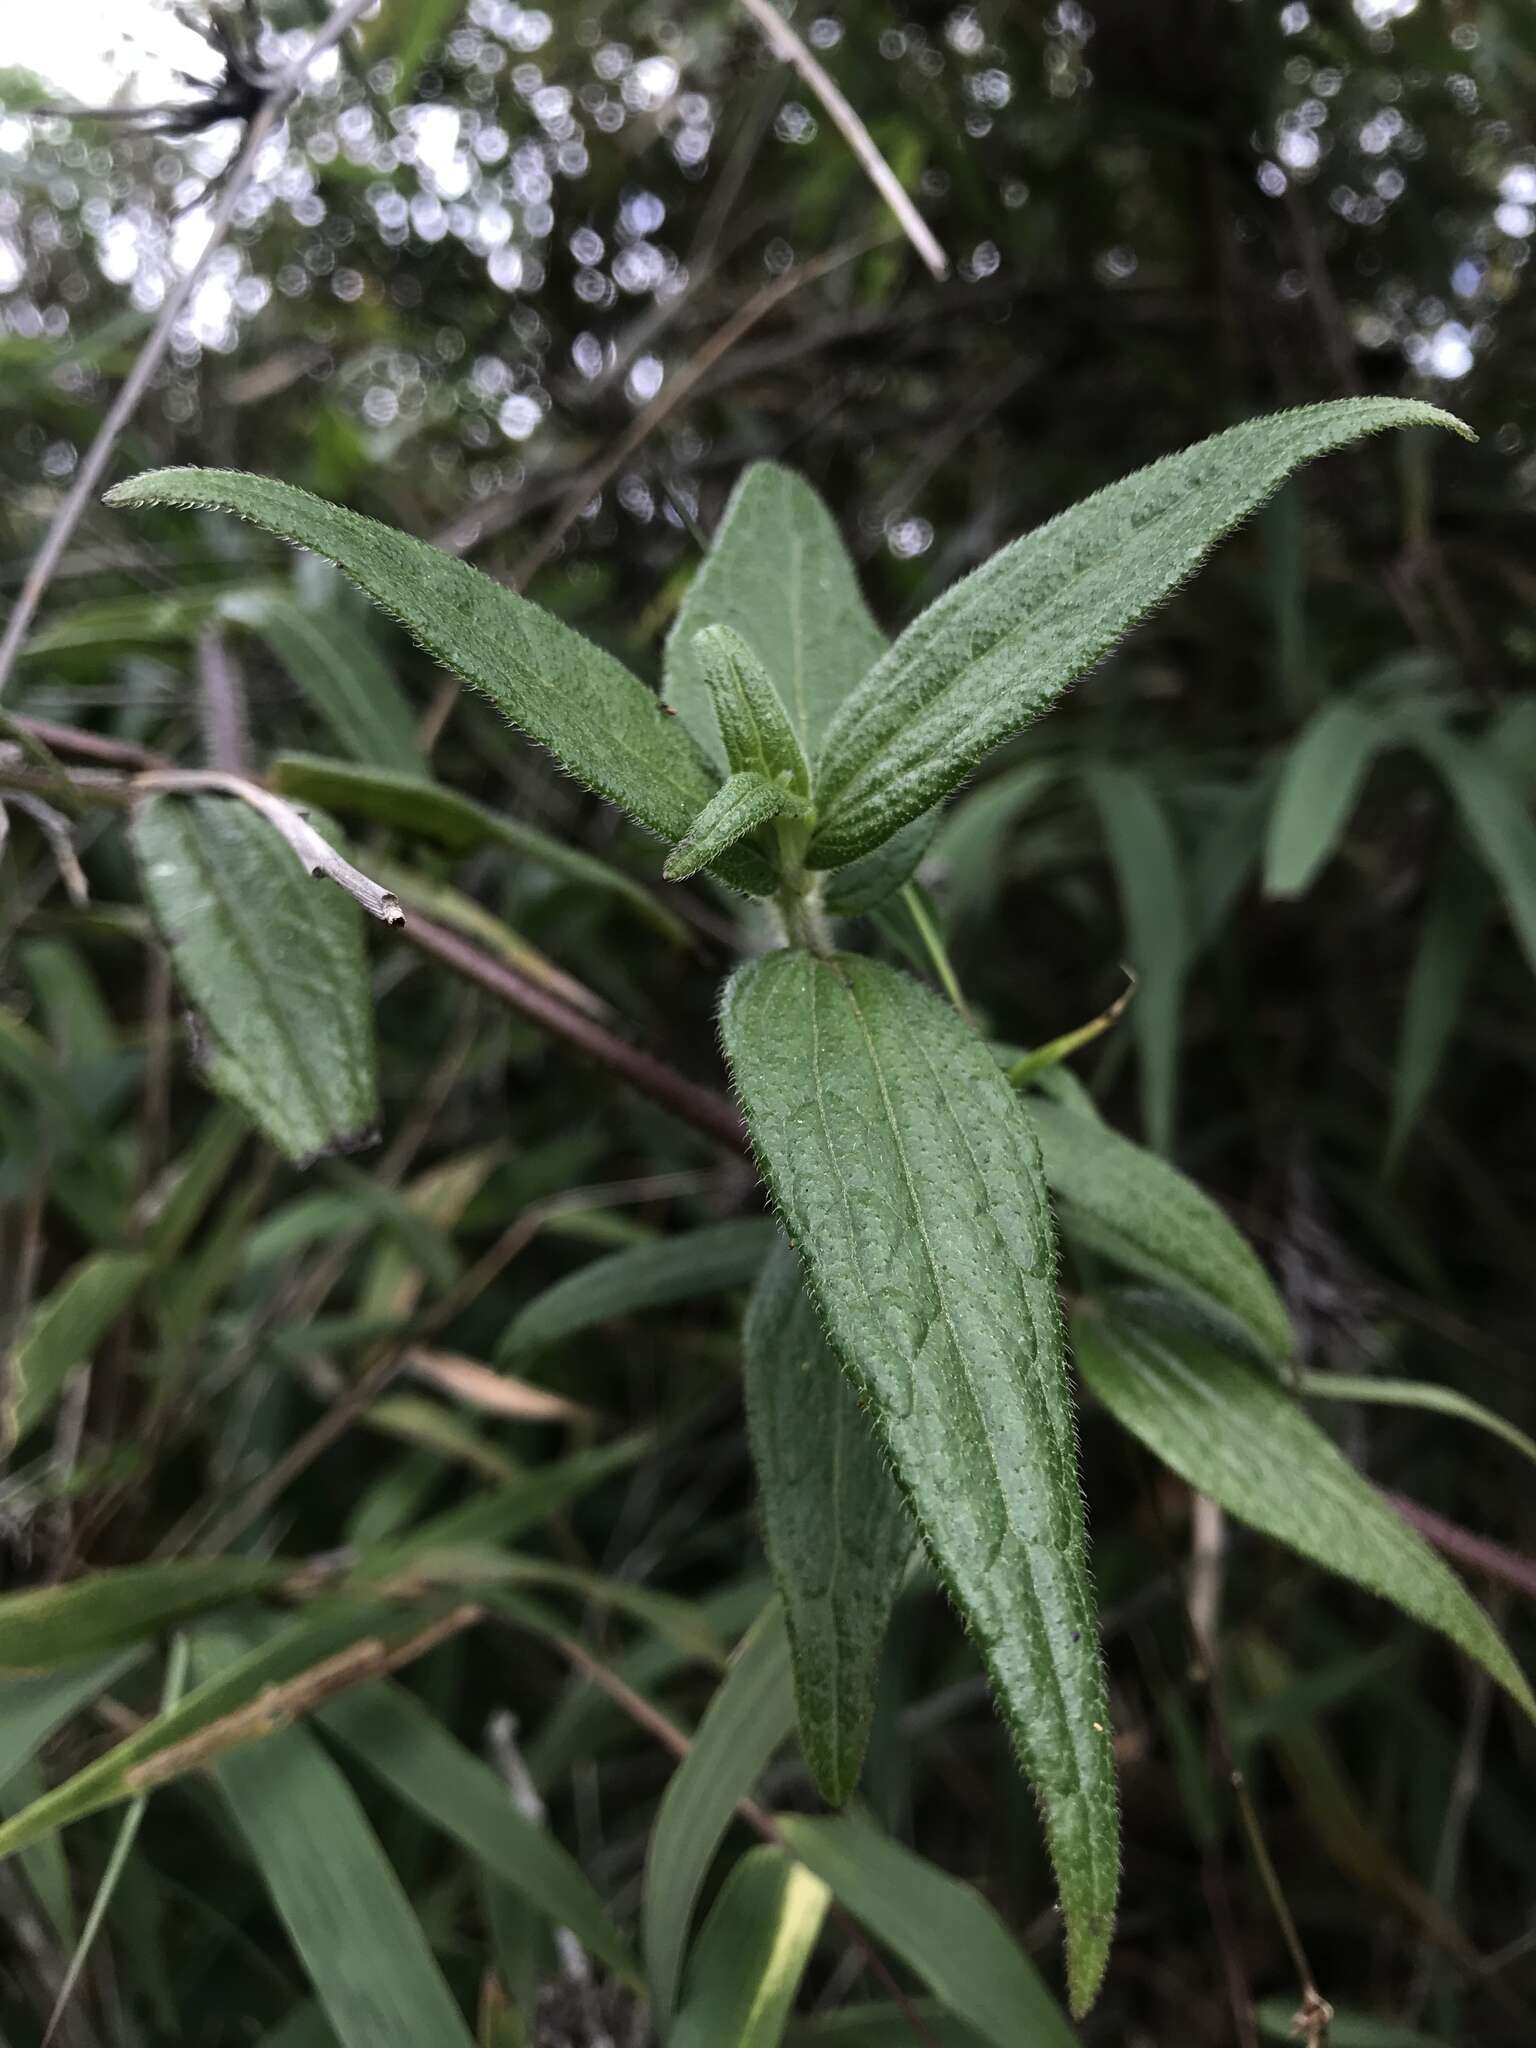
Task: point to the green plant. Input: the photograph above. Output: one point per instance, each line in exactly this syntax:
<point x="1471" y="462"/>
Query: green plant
<point x="800" y="763"/>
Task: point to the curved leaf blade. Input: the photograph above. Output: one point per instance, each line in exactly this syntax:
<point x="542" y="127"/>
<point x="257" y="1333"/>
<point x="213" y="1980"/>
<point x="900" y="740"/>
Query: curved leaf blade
<point x="779" y="575"/>
<point x="61" y="1332"/>
<point x="342" y="674"/>
<point x="1149" y="875"/>
<point x="1320" y="784"/>
<point x="752" y="1711"/>
<point x="336" y="1893"/>
<point x="1143" y="1213"/>
<point x="1002" y="645"/>
<point x="836" y="1529"/>
<point x="389" y="1731"/>
<point x="739" y="806"/>
<point x="683" y="1267"/>
<point x="600" y="722"/>
<point x="909" y="1179"/>
<point x="107" y="1610"/>
<point x="1236" y="1436"/>
<point x="747" y="1963"/>
<point x="943" y="1929"/>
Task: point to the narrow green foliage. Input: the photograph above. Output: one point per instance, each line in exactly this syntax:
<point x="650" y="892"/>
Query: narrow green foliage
<point x="754" y="726"/>
<point x="273" y="962"/>
<point x="1236" y="1436"/>
<point x="122" y="1847"/>
<point x="1450" y="942"/>
<point x="335" y="1891"/>
<point x="1154" y="901"/>
<point x="1324" y="773"/>
<point x="750" y="1715"/>
<point x="1140" y="1211"/>
<point x="601" y="724"/>
<point x="748" y="1961"/>
<point x="1425" y="1394"/>
<point x="53" y="1625"/>
<point x="835" y="1526"/>
<point x="426" y="810"/>
<point x="402" y="1742"/>
<point x="62" y="1332"/>
<point x="779" y="576"/>
<point x="178" y="1740"/>
<point x="943" y="1930"/>
<point x="684" y="1267"/>
<point x="910" y="1181"/>
<point x="738" y="807"/>
<point x="1496" y="813"/>
<point x="1002" y="645"/>
<point x="341" y="672"/>
<point x="31" y="1709"/>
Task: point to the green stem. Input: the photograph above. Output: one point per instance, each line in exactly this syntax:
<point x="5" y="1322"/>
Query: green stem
<point x="933" y="943"/>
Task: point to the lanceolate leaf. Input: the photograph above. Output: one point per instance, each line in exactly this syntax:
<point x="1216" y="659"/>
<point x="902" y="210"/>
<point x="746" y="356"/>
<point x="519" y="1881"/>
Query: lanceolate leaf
<point x="402" y="1741"/>
<point x="1238" y="1437"/>
<point x="273" y="963"/>
<point x="999" y="647"/>
<point x="737" y="808"/>
<point x="63" y="1331"/>
<point x="779" y="575"/>
<point x="942" y="1929"/>
<point x="342" y="673"/>
<point x="599" y="721"/>
<point x="1450" y="941"/>
<point x="743" y="1725"/>
<point x="678" y="1268"/>
<point x="335" y="1891"/>
<point x="1154" y="903"/>
<point x="1324" y="773"/>
<point x="837" y="1530"/>
<point x="753" y="723"/>
<point x="910" y="1182"/>
<point x="1142" y="1212"/>
<point x="747" y="1963"/>
<point x="1495" y="812"/>
<point x="53" y="1625"/>
<point x="32" y="1708"/>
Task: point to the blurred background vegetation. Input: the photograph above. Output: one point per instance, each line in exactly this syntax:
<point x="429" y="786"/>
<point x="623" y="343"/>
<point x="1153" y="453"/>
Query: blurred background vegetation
<point x="538" y="285"/>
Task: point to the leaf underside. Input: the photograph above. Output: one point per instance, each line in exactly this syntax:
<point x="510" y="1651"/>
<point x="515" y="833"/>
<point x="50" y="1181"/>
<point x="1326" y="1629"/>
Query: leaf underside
<point x="1003" y="644"/>
<point x="909" y="1180"/>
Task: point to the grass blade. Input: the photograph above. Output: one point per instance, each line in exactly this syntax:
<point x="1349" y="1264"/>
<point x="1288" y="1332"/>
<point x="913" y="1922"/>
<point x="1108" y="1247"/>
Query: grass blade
<point x="1236" y="1436"/>
<point x="336" y="1894"/>
<point x="751" y="1713"/>
<point x="387" y="1729"/>
<point x="684" y="1267"/>
<point x="942" y="1929"/>
<point x="747" y="1963"/>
